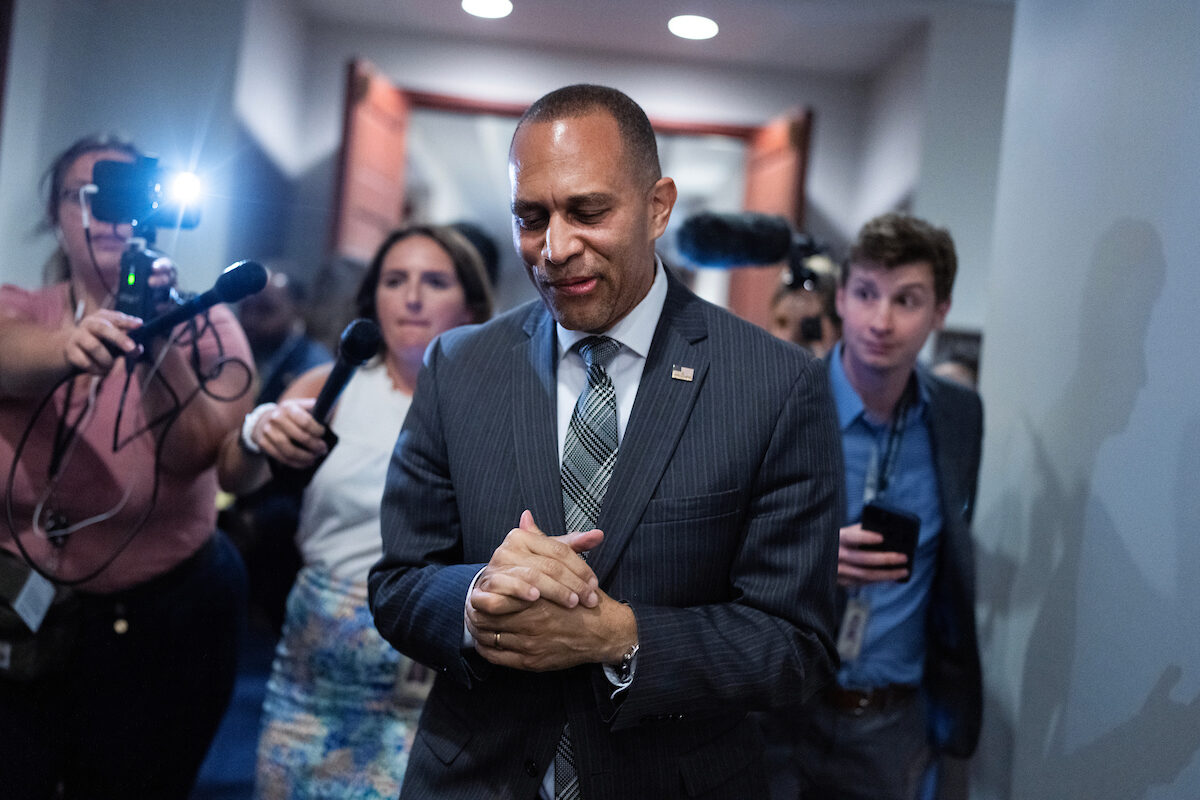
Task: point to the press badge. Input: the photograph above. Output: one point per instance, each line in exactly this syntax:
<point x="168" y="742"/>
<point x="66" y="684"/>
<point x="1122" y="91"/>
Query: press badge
<point x="854" y="629"/>
<point x="33" y="601"/>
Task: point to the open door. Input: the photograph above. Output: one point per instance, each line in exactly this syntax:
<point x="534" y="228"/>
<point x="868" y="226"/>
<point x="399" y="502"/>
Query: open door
<point x="370" y="190"/>
<point x="776" y="164"/>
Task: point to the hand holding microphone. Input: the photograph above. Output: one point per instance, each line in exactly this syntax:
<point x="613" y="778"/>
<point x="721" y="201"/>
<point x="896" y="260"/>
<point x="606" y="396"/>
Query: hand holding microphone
<point x="295" y="434"/>
<point x="359" y="341"/>
<point x="102" y="337"/>
<point x="237" y="281"/>
<point x="286" y="433"/>
<point x="98" y="340"/>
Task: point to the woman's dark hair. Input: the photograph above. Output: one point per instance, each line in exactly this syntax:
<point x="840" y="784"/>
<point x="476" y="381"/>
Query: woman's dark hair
<point x="52" y="179"/>
<point x="484" y="244"/>
<point x="468" y="267"/>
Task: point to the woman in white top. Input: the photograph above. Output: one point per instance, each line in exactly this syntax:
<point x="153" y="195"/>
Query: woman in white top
<point x="342" y="705"/>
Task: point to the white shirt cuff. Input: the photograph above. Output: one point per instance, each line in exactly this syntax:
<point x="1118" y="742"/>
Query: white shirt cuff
<point x="468" y="641"/>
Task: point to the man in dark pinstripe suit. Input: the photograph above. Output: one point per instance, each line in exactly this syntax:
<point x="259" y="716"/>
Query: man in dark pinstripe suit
<point x="708" y="587"/>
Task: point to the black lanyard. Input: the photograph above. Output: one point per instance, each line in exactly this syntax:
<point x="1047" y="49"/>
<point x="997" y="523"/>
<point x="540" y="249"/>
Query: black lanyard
<point x="881" y="471"/>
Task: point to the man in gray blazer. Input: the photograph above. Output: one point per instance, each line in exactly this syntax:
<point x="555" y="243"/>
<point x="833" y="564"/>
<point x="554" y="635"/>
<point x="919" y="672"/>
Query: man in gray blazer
<point x="708" y="585"/>
<point x="909" y="684"/>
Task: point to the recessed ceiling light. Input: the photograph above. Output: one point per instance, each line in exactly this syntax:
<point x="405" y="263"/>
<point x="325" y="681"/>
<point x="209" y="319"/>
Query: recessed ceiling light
<point x="690" y="26"/>
<point x="488" y="9"/>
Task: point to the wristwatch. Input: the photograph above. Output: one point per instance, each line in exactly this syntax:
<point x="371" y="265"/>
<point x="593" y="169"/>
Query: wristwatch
<point x="624" y="670"/>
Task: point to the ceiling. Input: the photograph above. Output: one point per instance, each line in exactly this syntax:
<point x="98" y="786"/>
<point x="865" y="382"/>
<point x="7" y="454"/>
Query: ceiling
<point x="845" y="37"/>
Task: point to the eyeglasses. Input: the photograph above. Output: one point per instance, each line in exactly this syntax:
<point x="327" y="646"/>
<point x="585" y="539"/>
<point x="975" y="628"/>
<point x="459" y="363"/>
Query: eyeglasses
<point x="77" y="196"/>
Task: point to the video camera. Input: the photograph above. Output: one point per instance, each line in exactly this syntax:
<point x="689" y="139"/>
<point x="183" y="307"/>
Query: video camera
<point x="147" y="197"/>
<point x="799" y="275"/>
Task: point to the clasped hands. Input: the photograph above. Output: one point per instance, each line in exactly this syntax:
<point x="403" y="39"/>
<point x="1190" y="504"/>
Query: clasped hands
<point x="538" y="606"/>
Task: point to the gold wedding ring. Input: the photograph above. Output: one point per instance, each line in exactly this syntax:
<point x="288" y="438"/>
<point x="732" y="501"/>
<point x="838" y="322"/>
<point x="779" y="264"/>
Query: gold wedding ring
<point x="496" y="642"/>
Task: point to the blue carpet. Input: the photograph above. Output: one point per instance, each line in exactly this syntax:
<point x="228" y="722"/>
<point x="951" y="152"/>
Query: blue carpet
<point x="228" y="771"/>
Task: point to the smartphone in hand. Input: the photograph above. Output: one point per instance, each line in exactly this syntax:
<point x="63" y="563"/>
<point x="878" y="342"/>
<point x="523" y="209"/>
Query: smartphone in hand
<point x="899" y="529"/>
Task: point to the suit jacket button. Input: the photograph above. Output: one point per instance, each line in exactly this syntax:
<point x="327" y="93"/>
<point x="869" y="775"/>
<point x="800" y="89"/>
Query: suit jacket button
<point x="531" y="768"/>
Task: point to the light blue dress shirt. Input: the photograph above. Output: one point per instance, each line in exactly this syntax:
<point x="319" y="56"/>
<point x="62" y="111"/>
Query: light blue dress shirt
<point x="893" y="648"/>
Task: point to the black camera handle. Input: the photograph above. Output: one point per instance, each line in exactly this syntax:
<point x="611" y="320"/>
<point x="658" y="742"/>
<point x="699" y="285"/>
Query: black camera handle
<point x="135" y="295"/>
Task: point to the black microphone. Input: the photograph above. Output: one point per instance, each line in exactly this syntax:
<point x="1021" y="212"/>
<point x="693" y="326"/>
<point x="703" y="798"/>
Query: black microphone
<point x="359" y="341"/>
<point x="709" y="239"/>
<point x="237" y="281"/>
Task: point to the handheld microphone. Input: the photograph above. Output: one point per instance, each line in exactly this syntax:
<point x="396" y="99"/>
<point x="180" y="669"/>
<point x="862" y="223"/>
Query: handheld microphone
<point x="359" y="341"/>
<point x="237" y="281"/>
<point x="709" y="239"/>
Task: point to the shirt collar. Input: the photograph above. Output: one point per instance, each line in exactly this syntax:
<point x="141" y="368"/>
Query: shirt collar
<point x="849" y="405"/>
<point x="636" y="329"/>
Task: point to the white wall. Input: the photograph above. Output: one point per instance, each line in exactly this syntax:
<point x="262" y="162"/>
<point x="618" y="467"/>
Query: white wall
<point x="966" y="69"/>
<point x="1090" y="492"/>
<point x="890" y="161"/>
<point x="24" y="112"/>
<point x="931" y="138"/>
<point x="269" y="90"/>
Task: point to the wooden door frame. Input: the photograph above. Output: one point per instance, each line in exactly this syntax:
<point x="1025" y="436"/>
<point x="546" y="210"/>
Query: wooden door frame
<point x="433" y="101"/>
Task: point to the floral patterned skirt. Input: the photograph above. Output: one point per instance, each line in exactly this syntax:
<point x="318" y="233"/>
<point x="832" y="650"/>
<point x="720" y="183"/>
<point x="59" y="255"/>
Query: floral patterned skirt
<point x="342" y="705"/>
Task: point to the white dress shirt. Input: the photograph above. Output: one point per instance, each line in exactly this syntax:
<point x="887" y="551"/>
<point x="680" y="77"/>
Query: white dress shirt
<point x="634" y="331"/>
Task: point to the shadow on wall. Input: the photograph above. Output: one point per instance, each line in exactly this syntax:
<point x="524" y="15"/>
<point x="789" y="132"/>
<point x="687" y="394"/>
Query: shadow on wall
<point x="1075" y="548"/>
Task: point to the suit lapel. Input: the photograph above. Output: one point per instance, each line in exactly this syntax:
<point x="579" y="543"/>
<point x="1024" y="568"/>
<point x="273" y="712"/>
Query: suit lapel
<point x="941" y="432"/>
<point x="535" y="422"/>
<point x="660" y="414"/>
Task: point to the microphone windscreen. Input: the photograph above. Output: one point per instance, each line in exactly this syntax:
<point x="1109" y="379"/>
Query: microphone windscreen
<point x="359" y="341"/>
<point x="240" y="280"/>
<point x="727" y="240"/>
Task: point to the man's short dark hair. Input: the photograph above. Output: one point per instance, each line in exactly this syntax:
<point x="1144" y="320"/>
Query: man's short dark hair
<point x="894" y="240"/>
<point x="637" y="134"/>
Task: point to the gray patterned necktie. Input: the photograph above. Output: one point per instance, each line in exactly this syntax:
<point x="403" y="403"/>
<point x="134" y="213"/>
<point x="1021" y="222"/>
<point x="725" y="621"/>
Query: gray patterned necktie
<point x="589" y="453"/>
<point x="590" y="449"/>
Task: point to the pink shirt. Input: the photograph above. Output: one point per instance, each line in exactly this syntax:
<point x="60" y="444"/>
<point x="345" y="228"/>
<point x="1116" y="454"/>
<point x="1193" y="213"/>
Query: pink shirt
<point x="146" y="520"/>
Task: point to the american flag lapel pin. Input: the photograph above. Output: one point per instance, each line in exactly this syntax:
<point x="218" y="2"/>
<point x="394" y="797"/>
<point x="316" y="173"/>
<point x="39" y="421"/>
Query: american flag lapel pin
<point x="682" y="373"/>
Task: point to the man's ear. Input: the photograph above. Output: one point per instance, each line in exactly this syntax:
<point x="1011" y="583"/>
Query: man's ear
<point x="940" y="312"/>
<point x="662" y="199"/>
